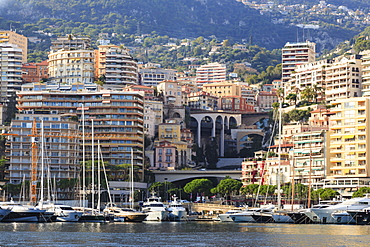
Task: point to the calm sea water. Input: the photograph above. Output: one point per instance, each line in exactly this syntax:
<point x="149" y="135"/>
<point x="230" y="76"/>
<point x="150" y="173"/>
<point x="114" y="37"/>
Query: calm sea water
<point x="181" y="234"/>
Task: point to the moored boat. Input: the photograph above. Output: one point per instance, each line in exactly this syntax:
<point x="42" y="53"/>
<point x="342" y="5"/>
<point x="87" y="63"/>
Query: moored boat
<point x="176" y="211"/>
<point x="155" y="209"/>
<point x="21" y="213"/>
<point x="124" y="214"/>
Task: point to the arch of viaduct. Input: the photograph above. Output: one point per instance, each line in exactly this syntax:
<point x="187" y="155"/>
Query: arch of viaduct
<point x="224" y="118"/>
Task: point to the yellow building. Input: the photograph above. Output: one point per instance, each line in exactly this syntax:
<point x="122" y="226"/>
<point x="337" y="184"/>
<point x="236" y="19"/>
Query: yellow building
<point x="348" y="139"/>
<point x="221" y="89"/>
<point x="15" y="39"/>
<point x="171" y="132"/>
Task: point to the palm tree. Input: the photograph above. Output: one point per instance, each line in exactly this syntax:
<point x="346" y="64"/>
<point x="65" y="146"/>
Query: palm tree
<point x="308" y="94"/>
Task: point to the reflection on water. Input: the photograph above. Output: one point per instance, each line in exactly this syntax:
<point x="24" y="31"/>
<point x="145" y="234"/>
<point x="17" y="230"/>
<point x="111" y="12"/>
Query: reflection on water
<point x="181" y="234"/>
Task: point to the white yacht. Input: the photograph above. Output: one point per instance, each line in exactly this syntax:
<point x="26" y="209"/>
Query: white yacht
<point x="63" y="213"/>
<point x="176" y="211"/>
<point x="21" y="213"/>
<point x="226" y="217"/>
<point x="247" y="215"/>
<point x="337" y="214"/>
<point x="155" y="209"/>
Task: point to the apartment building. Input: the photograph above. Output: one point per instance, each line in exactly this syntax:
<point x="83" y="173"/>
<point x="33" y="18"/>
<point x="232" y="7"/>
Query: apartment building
<point x="294" y="54"/>
<point x="116" y="65"/>
<point x="331" y="79"/>
<point x="344" y="78"/>
<point x="309" y="157"/>
<point x="366" y="73"/>
<point x="153" y="76"/>
<point x="171" y="93"/>
<point x="60" y="136"/>
<point x="35" y="72"/>
<point x="153" y="116"/>
<point x="308" y="75"/>
<point x="115" y="117"/>
<point x="10" y="69"/>
<point x="349" y="147"/>
<point x="165" y="156"/>
<point x="203" y="101"/>
<point x="17" y="39"/>
<point x="171" y="132"/>
<point x="211" y="73"/>
<point x="235" y="103"/>
<point x="264" y="100"/>
<point x="221" y="89"/>
<point x="71" y="66"/>
<point x="70" y="42"/>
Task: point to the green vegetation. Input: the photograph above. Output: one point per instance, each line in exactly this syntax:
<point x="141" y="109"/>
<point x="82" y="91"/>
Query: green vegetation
<point x="198" y="186"/>
<point x="361" y="192"/>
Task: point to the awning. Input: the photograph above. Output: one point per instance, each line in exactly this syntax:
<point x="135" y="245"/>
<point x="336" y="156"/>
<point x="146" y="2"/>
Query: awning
<point x="335" y="136"/>
<point x="335" y="146"/>
<point x="361" y="127"/>
<point x="349" y="136"/>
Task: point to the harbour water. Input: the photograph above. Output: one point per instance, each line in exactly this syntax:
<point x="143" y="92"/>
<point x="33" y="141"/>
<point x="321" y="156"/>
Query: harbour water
<point x="181" y="234"/>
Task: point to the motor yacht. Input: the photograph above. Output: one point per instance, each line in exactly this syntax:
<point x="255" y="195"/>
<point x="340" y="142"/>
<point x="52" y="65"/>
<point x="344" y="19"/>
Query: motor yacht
<point x="337" y="214"/>
<point x="124" y="214"/>
<point x="21" y="213"/>
<point x="63" y="213"/>
<point x="247" y="215"/>
<point x="226" y="217"/>
<point x="155" y="209"/>
<point x="176" y="211"/>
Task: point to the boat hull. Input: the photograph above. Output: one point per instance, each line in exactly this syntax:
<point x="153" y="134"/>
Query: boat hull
<point x="157" y="216"/>
<point x="263" y="218"/>
<point x="242" y="218"/>
<point x="177" y="215"/>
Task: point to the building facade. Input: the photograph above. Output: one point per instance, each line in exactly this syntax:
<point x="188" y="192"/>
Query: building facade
<point x="115" y="118"/>
<point x="116" y="65"/>
<point x="294" y="54"/>
<point x="17" y="39"/>
<point x="211" y="73"/>
<point x="349" y="149"/>
<point x="61" y="140"/>
<point x="35" y="72"/>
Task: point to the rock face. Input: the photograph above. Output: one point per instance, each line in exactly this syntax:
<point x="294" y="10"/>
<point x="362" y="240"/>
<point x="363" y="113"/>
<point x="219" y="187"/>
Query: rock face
<point x="223" y="19"/>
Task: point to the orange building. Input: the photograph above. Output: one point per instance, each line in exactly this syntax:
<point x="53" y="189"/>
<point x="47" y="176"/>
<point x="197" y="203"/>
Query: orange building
<point x="34" y="72"/>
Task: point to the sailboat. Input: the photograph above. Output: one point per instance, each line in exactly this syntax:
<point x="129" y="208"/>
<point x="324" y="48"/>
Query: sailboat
<point x="125" y="214"/>
<point x="90" y="214"/>
<point x="54" y="212"/>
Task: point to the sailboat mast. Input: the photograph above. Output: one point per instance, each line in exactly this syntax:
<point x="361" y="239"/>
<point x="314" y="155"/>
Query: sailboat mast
<point x="83" y="158"/>
<point x="92" y="165"/>
<point x="99" y="158"/>
<point x="309" y="174"/>
<point x="42" y="163"/>
<point x="105" y="176"/>
<point x="279" y="157"/>
<point x="132" y="178"/>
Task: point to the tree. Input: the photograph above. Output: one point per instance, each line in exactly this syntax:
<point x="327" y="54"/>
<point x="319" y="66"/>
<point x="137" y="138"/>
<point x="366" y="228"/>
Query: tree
<point x="227" y="186"/>
<point x="323" y="194"/>
<point x="361" y="192"/>
<point x="211" y="154"/>
<point x="308" y="94"/>
<point x="161" y="188"/>
<point x="199" y="156"/>
<point x="250" y="189"/>
<point x="292" y="97"/>
<point x="198" y="186"/>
